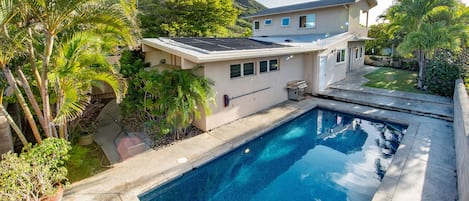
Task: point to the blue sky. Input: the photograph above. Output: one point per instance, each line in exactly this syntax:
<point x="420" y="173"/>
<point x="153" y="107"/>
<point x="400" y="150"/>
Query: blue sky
<point x="374" y="12"/>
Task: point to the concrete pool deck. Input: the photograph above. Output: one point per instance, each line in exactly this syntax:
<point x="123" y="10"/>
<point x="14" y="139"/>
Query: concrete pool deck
<point x="422" y="169"/>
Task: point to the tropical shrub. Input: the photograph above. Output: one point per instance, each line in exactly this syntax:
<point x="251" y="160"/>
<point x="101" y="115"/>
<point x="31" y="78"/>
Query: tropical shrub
<point x="441" y="73"/>
<point x="35" y="173"/>
<point x="132" y="62"/>
<point x="173" y="99"/>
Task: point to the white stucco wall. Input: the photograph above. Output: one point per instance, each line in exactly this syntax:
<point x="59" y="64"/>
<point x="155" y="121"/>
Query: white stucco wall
<point x="155" y="56"/>
<point x="310" y="71"/>
<point x="334" y="71"/>
<point x="328" y="20"/>
<point x="355" y="11"/>
<point x="276" y="81"/>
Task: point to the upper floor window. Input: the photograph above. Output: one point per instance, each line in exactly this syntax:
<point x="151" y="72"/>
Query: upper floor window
<point x="340" y="56"/>
<point x="256" y="24"/>
<point x="268" y="22"/>
<point x="285" y="21"/>
<point x="308" y="21"/>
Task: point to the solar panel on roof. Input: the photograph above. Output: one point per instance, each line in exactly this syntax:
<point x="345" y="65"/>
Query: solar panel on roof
<point x="226" y="44"/>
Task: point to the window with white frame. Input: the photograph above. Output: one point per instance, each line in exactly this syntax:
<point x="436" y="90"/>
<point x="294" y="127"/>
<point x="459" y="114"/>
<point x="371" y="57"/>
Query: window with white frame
<point x="256" y="25"/>
<point x="248" y="69"/>
<point x="263" y="66"/>
<point x="268" y="22"/>
<point x="340" y="56"/>
<point x="307" y="21"/>
<point x="268" y="65"/>
<point x="235" y="70"/>
<point x="285" y="21"/>
<point x="241" y="70"/>
<point x="273" y="65"/>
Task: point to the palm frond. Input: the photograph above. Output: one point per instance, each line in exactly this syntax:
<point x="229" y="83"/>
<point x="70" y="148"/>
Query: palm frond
<point x="115" y="81"/>
<point x="73" y="105"/>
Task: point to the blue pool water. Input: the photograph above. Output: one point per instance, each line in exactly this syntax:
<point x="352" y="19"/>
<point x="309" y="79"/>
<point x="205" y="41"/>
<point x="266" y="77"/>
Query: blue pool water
<point x="321" y="155"/>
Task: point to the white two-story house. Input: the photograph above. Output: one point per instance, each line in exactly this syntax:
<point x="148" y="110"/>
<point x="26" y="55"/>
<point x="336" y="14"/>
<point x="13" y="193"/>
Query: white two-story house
<point x="319" y="42"/>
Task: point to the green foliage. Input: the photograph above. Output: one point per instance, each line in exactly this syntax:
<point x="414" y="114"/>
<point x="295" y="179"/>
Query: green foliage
<point x="177" y="97"/>
<point x="428" y="26"/>
<point x="243" y="26"/>
<point x="83" y="56"/>
<point x="36" y="172"/>
<point x="84" y="162"/>
<point x="442" y="71"/>
<point x="132" y="63"/>
<point x="381" y="39"/>
<point x="187" y="17"/>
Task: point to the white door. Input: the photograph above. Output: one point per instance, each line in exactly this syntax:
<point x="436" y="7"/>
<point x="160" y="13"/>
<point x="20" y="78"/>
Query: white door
<point x="322" y="72"/>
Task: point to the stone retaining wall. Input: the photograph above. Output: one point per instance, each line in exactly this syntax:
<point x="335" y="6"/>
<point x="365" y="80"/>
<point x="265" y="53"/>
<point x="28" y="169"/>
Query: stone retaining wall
<point x="461" y="137"/>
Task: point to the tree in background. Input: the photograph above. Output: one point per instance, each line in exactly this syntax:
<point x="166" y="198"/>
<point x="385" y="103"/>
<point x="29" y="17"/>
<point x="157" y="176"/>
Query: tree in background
<point x="428" y="25"/>
<point x="381" y="39"/>
<point x="187" y="17"/>
<point x="243" y="26"/>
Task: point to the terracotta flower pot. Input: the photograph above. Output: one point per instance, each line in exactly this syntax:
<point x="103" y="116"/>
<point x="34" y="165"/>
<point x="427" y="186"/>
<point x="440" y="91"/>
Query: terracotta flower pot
<point x="57" y="197"/>
<point x="85" y="140"/>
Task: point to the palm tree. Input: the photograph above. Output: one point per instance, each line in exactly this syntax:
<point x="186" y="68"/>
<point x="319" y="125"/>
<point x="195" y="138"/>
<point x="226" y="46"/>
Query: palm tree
<point x="179" y="96"/>
<point x="428" y="25"/>
<point x="31" y="25"/>
<point x="65" y="17"/>
<point x="11" y="43"/>
<point x="12" y="123"/>
<point x="81" y="56"/>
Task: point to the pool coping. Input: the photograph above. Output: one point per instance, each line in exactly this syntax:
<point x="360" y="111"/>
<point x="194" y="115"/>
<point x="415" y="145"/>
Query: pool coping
<point x="223" y="142"/>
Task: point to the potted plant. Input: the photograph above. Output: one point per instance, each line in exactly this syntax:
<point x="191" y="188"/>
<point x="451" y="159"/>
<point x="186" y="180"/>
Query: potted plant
<point x="35" y="174"/>
<point x="87" y="129"/>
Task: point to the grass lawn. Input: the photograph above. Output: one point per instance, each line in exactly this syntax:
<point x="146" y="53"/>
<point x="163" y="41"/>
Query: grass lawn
<point x="85" y="161"/>
<point x="393" y="79"/>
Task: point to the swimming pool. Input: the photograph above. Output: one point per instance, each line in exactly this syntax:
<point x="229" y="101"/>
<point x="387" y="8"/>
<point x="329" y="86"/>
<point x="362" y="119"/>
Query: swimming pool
<point x="321" y="155"/>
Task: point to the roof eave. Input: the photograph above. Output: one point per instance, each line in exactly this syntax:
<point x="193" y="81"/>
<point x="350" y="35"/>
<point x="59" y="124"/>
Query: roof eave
<point x="372" y="3"/>
<point x="297" y="10"/>
<point x="200" y="58"/>
<point x="254" y="54"/>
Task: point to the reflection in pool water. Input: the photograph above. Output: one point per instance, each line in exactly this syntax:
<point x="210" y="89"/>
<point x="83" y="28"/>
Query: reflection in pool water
<point x="321" y="155"/>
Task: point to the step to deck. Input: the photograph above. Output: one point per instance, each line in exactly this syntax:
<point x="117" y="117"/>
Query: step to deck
<point x="433" y="108"/>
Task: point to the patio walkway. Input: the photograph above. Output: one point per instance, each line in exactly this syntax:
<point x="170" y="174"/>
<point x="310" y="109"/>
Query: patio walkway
<point x="351" y="90"/>
<point x="116" y="143"/>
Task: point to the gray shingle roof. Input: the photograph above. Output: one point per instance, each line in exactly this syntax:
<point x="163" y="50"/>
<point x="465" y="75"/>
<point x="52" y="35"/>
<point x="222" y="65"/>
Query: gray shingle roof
<point x="302" y="6"/>
<point x="226" y="44"/>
